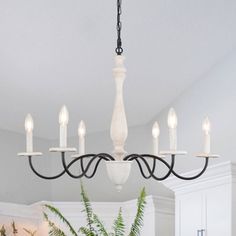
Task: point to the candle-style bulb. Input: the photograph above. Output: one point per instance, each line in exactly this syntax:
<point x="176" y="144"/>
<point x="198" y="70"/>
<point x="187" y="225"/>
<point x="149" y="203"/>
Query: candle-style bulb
<point x="63" y="116"/>
<point x="29" y="123"/>
<point x="206" y="125"/>
<point x="172" y="119"/>
<point x="155" y="130"/>
<point x="81" y="129"/>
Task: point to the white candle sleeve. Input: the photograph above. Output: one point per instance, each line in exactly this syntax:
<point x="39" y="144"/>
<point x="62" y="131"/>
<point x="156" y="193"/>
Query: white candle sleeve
<point x="81" y="146"/>
<point x="155" y="146"/>
<point x="207" y="143"/>
<point x="29" y="142"/>
<point x="173" y="139"/>
<point x="63" y="136"/>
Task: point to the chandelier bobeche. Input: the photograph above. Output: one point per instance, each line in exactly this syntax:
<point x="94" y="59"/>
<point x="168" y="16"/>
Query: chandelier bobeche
<point x="119" y="163"/>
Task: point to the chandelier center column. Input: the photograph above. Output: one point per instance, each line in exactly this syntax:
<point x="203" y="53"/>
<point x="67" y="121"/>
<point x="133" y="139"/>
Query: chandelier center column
<point x="119" y="128"/>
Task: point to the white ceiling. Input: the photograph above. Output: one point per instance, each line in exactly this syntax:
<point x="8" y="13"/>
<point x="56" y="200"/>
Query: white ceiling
<point x="55" y="51"/>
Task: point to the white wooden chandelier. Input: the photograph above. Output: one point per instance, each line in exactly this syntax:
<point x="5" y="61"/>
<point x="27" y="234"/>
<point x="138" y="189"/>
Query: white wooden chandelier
<point x="119" y="163"/>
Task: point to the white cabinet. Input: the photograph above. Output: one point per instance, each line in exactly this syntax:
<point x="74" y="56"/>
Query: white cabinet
<point x="206" y="207"/>
<point x="218" y="211"/>
<point x="190" y="211"/>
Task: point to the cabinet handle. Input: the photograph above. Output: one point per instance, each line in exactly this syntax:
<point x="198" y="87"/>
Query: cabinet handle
<point x="201" y="232"/>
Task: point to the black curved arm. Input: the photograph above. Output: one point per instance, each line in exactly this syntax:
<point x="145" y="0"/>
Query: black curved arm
<point x="42" y="176"/>
<point x="136" y="157"/>
<point x="170" y="167"/>
<point x="101" y="156"/>
<point x="94" y="171"/>
<point x="196" y="176"/>
<point x="139" y="158"/>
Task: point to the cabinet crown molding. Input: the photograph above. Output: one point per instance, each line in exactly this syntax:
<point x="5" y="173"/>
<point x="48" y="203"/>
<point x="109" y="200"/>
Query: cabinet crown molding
<point x="223" y="173"/>
<point x="155" y="204"/>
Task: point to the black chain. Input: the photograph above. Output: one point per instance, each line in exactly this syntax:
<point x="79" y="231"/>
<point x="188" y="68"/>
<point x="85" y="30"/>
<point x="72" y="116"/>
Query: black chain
<point x="119" y="49"/>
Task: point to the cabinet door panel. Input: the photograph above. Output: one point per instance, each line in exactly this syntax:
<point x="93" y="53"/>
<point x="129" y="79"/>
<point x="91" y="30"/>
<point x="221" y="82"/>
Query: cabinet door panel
<point x="218" y="211"/>
<point x="189" y="212"/>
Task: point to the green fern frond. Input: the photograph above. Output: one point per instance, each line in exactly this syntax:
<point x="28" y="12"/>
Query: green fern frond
<point x="86" y="232"/>
<point x="138" y="221"/>
<point x="87" y="208"/>
<point x="3" y="231"/>
<point x="99" y="226"/>
<point x="119" y="226"/>
<point x="57" y="213"/>
<point x="31" y="233"/>
<point x="14" y="229"/>
<point x="54" y="230"/>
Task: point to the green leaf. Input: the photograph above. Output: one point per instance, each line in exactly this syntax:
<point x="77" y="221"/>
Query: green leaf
<point x="119" y="226"/>
<point x="87" y="208"/>
<point x="86" y="231"/>
<point x="54" y="230"/>
<point x="14" y="229"/>
<point x="99" y="225"/>
<point x="138" y="221"/>
<point x="57" y="213"/>
<point x="3" y="231"/>
<point x="31" y="233"/>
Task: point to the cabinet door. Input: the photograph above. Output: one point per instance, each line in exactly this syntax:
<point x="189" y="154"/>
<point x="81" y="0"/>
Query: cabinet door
<point x="218" y="211"/>
<point x="189" y="214"/>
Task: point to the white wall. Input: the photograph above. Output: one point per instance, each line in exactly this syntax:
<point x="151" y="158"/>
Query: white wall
<point x="17" y="182"/>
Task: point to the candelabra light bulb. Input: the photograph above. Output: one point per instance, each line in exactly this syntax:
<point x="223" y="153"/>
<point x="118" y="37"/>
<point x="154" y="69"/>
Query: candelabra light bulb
<point x="82" y="129"/>
<point x="155" y="130"/>
<point x="63" y="116"/>
<point x="172" y="119"/>
<point x="206" y="125"/>
<point x="29" y="123"/>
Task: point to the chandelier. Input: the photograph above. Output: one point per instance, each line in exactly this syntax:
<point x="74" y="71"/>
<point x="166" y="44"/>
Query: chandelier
<point x="118" y="164"/>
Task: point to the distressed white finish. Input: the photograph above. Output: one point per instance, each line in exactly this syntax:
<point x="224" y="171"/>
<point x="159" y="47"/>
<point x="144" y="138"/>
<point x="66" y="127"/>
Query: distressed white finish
<point x="207" y="203"/>
<point x="59" y="149"/>
<point x="158" y="216"/>
<point x="171" y="152"/>
<point x="32" y="154"/>
<point x="204" y="155"/>
<point x="118" y="172"/>
<point x="119" y="127"/>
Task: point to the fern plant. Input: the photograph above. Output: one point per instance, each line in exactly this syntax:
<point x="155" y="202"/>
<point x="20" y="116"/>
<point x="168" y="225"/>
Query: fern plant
<point x="29" y="232"/>
<point x="95" y="226"/>
<point x="3" y="231"/>
<point x="119" y="226"/>
<point x="14" y="230"/>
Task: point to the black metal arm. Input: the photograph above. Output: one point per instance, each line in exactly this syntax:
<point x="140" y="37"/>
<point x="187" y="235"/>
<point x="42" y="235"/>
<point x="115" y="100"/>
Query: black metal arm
<point x="140" y="159"/>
